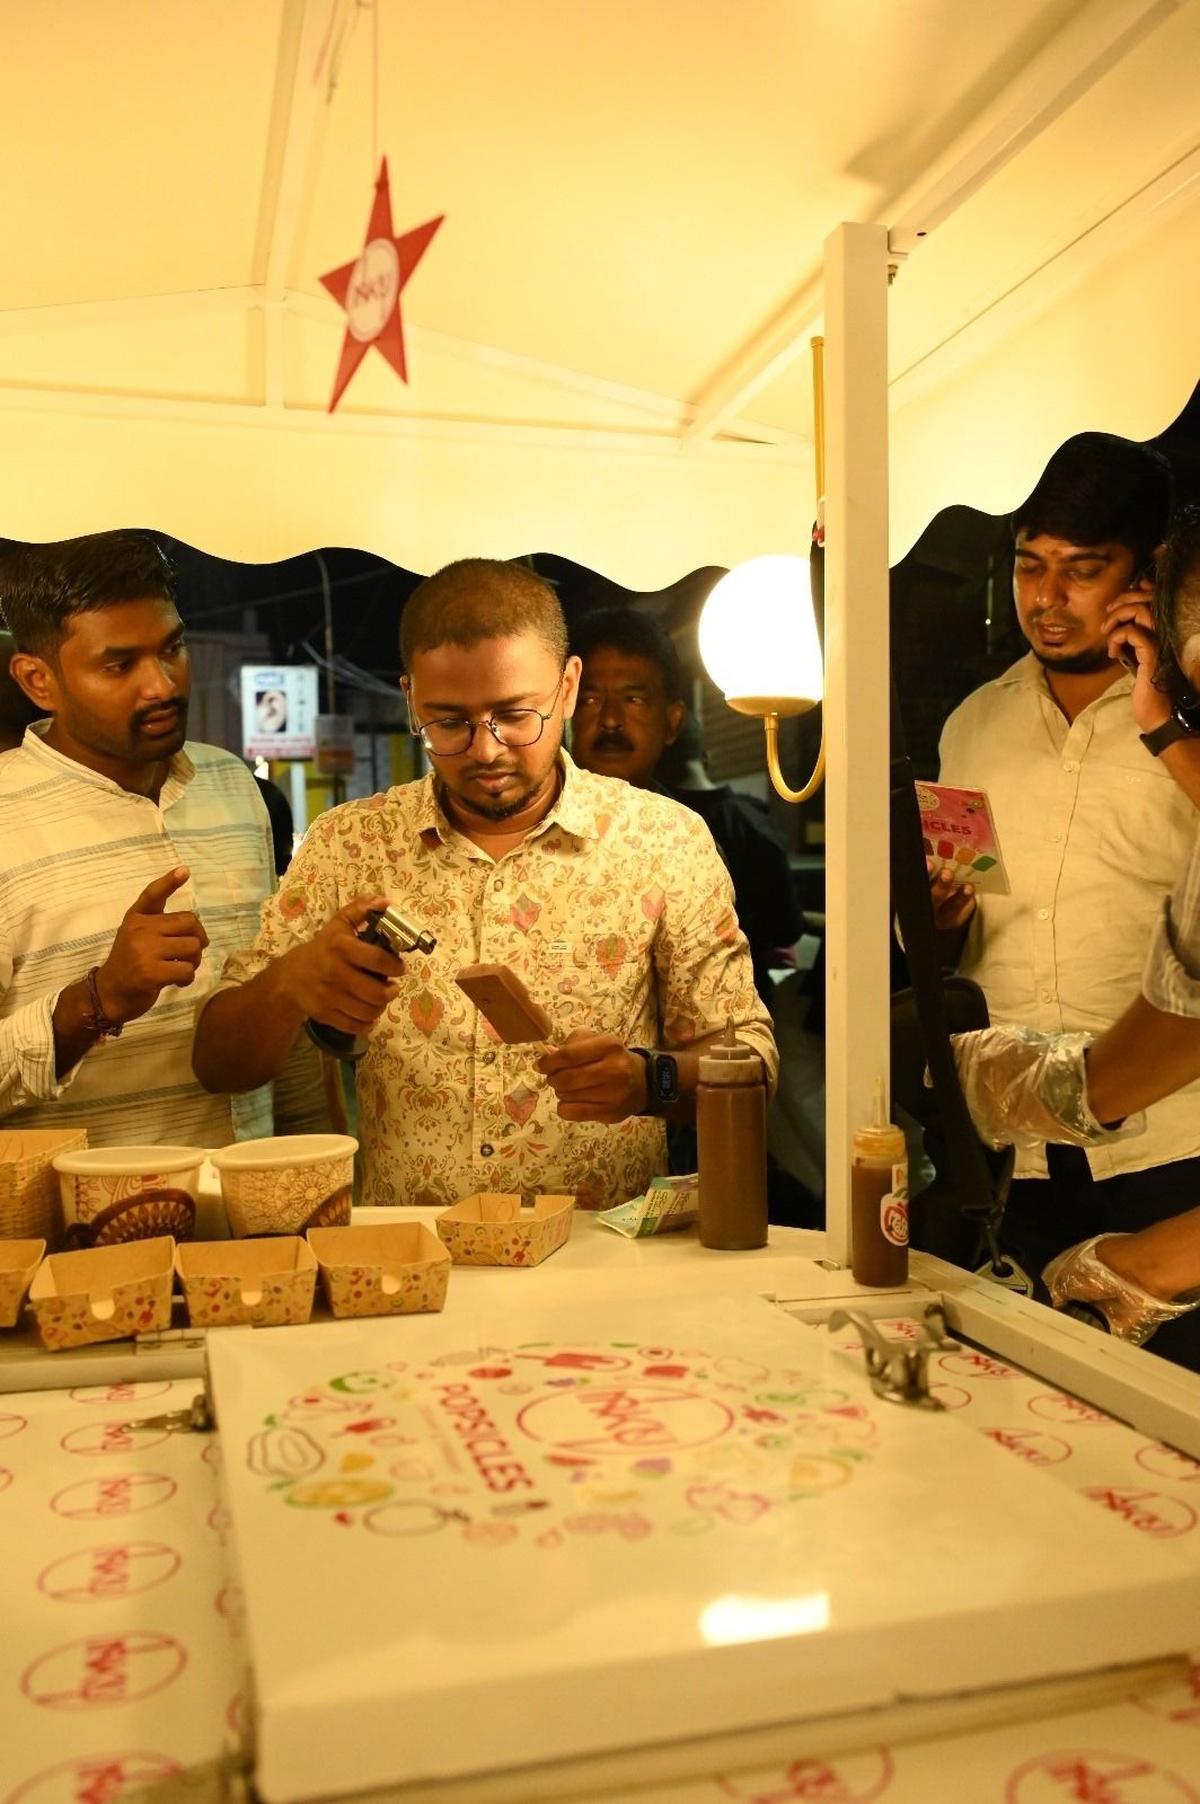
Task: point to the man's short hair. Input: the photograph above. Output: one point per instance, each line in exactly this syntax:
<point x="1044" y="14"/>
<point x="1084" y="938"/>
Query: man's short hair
<point x="639" y="635"/>
<point x="43" y="586"/>
<point x="1097" y="490"/>
<point x="481" y="598"/>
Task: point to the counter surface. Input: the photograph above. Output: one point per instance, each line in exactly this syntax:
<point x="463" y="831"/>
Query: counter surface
<point x="122" y="1661"/>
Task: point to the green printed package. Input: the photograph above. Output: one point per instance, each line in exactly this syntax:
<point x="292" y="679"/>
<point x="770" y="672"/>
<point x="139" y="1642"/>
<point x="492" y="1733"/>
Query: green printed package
<point x="669" y="1203"/>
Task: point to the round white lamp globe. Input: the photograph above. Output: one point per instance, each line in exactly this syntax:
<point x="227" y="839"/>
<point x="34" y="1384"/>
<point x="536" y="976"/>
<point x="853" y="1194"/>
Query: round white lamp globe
<point x="758" y="637"/>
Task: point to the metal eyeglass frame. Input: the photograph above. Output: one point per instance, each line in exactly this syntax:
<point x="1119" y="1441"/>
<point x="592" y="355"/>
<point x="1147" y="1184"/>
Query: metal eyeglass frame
<point x="419" y="729"/>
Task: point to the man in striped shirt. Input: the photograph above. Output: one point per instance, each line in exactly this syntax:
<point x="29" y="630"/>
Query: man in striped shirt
<point x="131" y="864"/>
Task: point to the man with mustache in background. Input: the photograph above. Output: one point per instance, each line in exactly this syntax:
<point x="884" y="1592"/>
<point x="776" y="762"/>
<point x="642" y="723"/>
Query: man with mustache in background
<point x="1085" y="778"/>
<point x="631" y="721"/>
<point x="131" y="863"/>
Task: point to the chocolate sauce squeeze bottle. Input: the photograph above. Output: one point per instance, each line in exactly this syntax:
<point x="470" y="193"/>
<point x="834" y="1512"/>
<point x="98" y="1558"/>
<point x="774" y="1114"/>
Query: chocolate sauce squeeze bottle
<point x="731" y="1141"/>
<point x="879" y="1201"/>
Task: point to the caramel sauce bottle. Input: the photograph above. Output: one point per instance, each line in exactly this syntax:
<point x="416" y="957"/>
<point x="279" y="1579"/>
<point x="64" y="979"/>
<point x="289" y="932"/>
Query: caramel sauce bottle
<point x="731" y="1141"/>
<point x="879" y="1201"/>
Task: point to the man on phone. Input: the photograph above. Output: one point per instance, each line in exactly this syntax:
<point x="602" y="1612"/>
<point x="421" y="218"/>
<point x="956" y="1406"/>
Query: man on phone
<point x="611" y="903"/>
<point x="131" y="863"/>
<point x="1077" y="758"/>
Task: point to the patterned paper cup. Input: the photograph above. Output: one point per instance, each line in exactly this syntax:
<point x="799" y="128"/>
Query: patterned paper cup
<point x="111" y="1194"/>
<point x="287" y="1185"/>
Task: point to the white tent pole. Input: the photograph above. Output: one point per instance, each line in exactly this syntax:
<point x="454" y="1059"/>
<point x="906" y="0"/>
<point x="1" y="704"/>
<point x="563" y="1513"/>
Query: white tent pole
<point x="856" y="700"/>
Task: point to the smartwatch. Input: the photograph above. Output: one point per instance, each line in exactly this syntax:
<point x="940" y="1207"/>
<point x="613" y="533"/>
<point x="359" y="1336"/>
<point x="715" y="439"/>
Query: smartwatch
<point x="662" y="1079"/>
<point x="1171" y="730"/>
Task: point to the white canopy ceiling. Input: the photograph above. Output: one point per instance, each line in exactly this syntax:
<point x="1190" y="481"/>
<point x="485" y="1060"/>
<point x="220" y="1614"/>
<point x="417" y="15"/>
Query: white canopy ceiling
<point x="608" y="339"/>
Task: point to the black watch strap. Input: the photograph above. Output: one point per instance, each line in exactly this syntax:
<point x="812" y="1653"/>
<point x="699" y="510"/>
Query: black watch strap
<point x="1171" y="730"/>
<point x="662" y="1079"/>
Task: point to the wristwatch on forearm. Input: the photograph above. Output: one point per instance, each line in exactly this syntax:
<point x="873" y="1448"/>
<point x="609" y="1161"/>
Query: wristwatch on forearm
<point x="662" y="1079"/>
<point x="1171" y="730"/>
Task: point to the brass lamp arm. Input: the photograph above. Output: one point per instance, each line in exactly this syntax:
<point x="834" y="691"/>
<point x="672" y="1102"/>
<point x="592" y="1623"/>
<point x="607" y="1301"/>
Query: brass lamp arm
<point x="781" y="787"/>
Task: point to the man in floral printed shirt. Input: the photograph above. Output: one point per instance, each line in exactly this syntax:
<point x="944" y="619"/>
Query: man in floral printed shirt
<point x="611" y="904"/>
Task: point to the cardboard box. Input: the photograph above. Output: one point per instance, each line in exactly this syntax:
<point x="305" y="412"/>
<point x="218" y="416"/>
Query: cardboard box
<point x="398" y="1269"/>
<point x="493" y="1229"/>
<point x="19" y="1260"/>
<point x="105" y="1293"/>
<point x="248" y="1283"/>
<point x="29" y="1206"/>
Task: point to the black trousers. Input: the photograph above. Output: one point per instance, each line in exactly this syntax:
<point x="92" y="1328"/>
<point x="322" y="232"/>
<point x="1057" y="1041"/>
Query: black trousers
<point x="1046" y="1215"/>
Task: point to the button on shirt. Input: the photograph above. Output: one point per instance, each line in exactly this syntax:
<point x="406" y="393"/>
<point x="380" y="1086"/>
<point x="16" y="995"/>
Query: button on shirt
<point x="1094" y="834"/>
<point x="617" y="913"/>
<point x="75" y="851"/>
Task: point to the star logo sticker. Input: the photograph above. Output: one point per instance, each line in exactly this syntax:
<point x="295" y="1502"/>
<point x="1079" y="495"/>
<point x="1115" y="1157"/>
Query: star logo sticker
<point x="369" y="288"/>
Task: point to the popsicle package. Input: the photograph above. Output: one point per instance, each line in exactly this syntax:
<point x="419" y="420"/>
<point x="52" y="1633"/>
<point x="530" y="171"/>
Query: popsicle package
<point x="503" y="1000"/>
<point x="957" y="829"/>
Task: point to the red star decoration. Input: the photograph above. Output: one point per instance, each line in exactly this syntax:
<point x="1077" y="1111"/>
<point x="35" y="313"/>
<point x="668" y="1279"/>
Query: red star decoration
<point x="369" y="288"/>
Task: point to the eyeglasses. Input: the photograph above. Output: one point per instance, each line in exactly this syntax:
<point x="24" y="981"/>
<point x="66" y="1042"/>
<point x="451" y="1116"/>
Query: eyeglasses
<point x="451" y="737"/>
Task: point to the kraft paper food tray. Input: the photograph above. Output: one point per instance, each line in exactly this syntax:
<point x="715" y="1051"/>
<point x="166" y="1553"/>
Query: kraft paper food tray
<point x="18" y="1261"/>
<point x="265" y="1283"/>
<point x="400" y="1268"/>
<point x="105" y="1293"/>
<point x="29" y="1201"/>
<point x="491" y="1228"/>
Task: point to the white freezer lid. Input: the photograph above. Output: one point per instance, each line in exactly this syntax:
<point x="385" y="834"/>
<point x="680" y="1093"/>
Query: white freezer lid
<point x="466" y="1549"/>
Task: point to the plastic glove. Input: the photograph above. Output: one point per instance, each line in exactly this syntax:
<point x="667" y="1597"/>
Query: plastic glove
<point x="1024" y="1088"/>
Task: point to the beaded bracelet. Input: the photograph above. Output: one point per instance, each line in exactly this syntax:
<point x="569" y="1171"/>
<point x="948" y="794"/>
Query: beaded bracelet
<point x="99" y="1022"/>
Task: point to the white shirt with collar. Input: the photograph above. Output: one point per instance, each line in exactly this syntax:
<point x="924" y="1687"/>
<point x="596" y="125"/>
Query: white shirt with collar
<point x="1095" y="834"/>
<point x="75" y="851"/>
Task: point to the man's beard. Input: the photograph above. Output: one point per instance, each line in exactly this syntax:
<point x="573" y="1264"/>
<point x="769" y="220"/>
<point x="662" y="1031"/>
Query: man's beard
<point x="1079" y="663"/>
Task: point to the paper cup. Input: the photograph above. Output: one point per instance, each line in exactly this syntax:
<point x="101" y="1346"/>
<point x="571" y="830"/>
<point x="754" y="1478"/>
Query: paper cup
<point x="287" y="1185"/>
<point x="111" y="1194"/>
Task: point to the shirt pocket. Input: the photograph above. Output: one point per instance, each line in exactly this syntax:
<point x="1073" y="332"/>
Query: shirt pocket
<point x="1147" y="825"/>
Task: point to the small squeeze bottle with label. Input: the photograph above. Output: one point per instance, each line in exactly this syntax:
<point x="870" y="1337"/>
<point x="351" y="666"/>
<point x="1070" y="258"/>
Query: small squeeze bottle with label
<point x="879" y="1201"/>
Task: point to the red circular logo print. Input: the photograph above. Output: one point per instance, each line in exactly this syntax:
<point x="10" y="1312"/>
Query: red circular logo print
<point x="95" y="1574"/>
<point x="625" y="1419"/>
<point x="122" y="1494"/>
<point x="851" y="1779"/>
<point x="1153" y="1513"/>
<point x="11" y="1424"/>
<point x="1056" y="1406"/>
<point x="110" y="1437"/>
<point x="1066" y="1777"/>
<point x="94" y="1779"/>
<point x="1036" y="1446"/>
<point x="102" y="1670"/>
<point x="115" y="1395"/>
<point x="1165" y="1462"/>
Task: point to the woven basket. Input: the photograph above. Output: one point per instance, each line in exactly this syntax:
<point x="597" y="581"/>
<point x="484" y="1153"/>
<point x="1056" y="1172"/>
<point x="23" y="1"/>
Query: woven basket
<point x="29" y="1201"/>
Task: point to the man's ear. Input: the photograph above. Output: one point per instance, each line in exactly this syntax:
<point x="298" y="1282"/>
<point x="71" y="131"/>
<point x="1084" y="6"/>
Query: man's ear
<point x="675" y="714"/>
<point x="36" y="677"/>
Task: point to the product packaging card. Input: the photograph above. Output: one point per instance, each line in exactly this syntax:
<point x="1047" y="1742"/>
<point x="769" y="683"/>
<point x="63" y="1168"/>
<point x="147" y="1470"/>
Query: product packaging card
<point x="958" y="829"/>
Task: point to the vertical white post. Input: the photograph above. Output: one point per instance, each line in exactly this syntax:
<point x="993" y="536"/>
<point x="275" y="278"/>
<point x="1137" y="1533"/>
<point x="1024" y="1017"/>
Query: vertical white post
<point x="297" y="778"/>
<point x="856" y="700"/>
